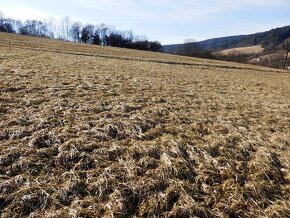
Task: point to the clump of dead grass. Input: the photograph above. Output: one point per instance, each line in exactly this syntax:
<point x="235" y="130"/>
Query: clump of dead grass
<point x="99" y="137"/>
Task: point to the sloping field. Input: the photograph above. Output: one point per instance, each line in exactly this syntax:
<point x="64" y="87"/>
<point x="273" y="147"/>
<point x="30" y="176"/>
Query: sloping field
<point x="257" y="49"/>
<point x="88" y="131"/>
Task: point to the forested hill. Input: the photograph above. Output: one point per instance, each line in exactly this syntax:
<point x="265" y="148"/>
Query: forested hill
<point x="270" y="40"/>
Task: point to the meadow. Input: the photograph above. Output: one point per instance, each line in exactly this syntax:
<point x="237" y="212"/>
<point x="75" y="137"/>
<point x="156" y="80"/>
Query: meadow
<point x="91" y="131"/>
<point x="257" y="49"/>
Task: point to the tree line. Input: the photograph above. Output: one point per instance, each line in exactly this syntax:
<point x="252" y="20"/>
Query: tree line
<point x="270" y="40"/>
<point x="189" y="48"/>
<point x="68" y="30"/>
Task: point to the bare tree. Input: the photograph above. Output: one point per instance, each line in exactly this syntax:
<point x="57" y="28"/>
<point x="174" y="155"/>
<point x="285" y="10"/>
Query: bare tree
<point x="286" y="46"/>
<point x="17" y="24"/>
<point x="1" y="15"/>
<point x="51" y="27"/>
<point x="65" y="25"/>
<point x="140" y="38"/>
<point x="1" y="18"/>
<point x="129" y="36"/>
<point x="189" y="48"/>
<point x="104" y="31"/>
<point x="75" y="31"/>
<point x="59" y="30"/>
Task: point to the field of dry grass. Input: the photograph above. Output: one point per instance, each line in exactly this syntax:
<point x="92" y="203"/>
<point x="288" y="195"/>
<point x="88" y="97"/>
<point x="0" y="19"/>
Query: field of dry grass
<point x="257" y="49"/>
<point x="88" y="131"/>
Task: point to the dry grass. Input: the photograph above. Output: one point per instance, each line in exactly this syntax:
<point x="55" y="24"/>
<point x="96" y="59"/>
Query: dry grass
<point x="256" y="49"/>
<point x="91" y="136"/>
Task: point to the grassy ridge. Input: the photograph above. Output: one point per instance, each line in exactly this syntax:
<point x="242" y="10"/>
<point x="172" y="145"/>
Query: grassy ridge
<point x="100" y="136"/>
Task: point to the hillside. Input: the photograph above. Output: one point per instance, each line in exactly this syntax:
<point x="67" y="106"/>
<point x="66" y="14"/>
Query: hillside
<point x="271" y="39"/>
<point x="92" y="131"/>
<point x="256" y="49"/>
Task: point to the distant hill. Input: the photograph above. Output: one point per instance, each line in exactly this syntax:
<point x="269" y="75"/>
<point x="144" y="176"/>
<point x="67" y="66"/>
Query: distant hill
<point x="271" y="39"/>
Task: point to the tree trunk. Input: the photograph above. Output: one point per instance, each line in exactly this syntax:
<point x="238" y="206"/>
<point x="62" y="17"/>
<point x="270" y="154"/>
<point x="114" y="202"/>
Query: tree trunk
<point x="285" y="62"/>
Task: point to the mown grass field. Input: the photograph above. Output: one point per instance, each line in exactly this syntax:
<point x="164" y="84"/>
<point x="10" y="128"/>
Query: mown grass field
<point x="88" y="131"/>
<point x="257" y="49"/>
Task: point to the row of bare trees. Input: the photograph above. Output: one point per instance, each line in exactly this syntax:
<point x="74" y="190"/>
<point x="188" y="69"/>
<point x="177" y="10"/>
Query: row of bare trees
<point x="69" y="30"/>
<point x="192" y="48"/>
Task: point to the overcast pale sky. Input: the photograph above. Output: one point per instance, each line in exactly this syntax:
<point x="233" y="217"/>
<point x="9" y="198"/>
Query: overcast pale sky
<point x="168" y="21"/>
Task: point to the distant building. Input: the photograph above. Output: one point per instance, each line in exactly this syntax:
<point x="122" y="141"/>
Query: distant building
<point x="255" y="60"/>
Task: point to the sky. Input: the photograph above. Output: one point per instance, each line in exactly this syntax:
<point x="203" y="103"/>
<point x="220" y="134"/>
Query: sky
<point x="168" y="21"/>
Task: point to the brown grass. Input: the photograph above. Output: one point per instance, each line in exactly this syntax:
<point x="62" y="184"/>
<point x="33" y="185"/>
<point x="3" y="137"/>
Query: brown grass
<point x="138" y="134"/>
<point x="256" y="49"/>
